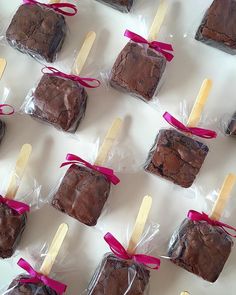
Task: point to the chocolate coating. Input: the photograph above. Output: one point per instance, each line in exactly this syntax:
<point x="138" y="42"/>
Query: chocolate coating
<point x="231" y="129"/>
<point x="138" y="71"/>
<point x="60" y="102"/>
<point x="82" y="194"/>
<point x="114" y="275"/>
<point x="218" y="27"/>
<point x="12" y="226"/>
<point x="2" y="130"/>
<point x="38" y="31"/>
<point x="121" y="5"/>
<point x="200" y="248"/>
<point x="176" y="157"/>
<point x="17" y="288"/>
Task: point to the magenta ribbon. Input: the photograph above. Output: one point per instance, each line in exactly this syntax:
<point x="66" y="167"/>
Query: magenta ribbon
<point x="197" y="216"/>
<point x="116" y="247"/>
<point x="36" y="278"/>
<point x="2" y="112"/>
<point x="109" y="173"/>
<point x="80" y="80"/>
<point x="58" y="7"/>
<point x="200" y="132"/>
<point x="158" y="46"/>
<point x="19" y="207"/>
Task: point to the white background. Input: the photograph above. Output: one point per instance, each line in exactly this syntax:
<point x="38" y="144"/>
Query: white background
<point x="193" y="62"/>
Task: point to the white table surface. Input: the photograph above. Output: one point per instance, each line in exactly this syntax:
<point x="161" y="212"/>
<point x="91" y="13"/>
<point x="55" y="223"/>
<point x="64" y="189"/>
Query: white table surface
<point x="193" y="62"/>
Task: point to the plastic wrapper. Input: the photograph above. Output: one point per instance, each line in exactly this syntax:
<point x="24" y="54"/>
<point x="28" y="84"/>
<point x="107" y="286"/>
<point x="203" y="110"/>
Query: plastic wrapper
<point x="116" y="276"/>
<point x="217" y="27"/>
<point x="228" y="125"/>
<point x="37" y="30"/>
<point x="13" y="217"/>
<point x="58" y="101"/>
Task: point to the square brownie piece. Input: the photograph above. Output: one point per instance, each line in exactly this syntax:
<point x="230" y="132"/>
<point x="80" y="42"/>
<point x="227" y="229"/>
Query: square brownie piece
<point x="12" y="226"/>
<point x="138" y="70"/>
<point x="231" y="128"/>
<point x="218" y="27"/>
<point x="200" y="248"/>
<point x="121" y="5"/>
<point x="58" y="101"/>
<point x="38" y="31"/>
<point x="18" y="288"/>
<point x="82" y="194"/>
<point x="2" y="130"/>
<point x="116" y="276"/>
<point x="176" y="157"/>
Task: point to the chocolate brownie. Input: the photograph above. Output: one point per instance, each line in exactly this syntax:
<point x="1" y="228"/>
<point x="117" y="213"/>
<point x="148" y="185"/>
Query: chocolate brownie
<point x="121" y="5"/>
<point x="58" y="101"/>
<point x="218" y="27"/>
<point x="82" y="194"/>
<point x="138" y="71"/>
<point x="17" y="288"/>
<point x="38" y="31"/>
<point x="12" y="226"/>
<point x="2" y="130"/>
<point x="115" y="277"/>
<point x="200" y="248"/>
<point x="231" y="129"/>
<point x="176" y="157"/>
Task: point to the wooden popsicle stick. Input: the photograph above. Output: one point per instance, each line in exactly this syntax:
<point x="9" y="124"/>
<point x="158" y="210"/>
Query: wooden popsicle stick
<point x="54" y="249"/>
<point x="200" y="103"/>
<point x="83" y="53"/>
<point x="184" y="293"/>
<point x="223" y="197"/>
<point x="19" y="171"/>
<point x="3" y="64"/>
<point x="140" y="224"/>
<point x="108" y="142"/>
<point x="54" y="1"/>
<point x="158" y="20"/>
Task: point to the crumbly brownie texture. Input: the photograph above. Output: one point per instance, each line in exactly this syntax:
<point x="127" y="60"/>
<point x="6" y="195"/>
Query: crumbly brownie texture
<point x="82" y="194"/>
<point x="12" y="226"/>
<point x="218" y="27"/>
<point x="60" y="102"/>
<point x="38" y="31"/>
<point x="176" y="157"/>
<point x="121" y="5"/>
<point x="138" y="71"/>
<point x="17" y="288"/>
<point x="200" y="248"/>
<point x="231" y="129"/>
<point x="2" y="130"/>
<point x="114" y="275"/>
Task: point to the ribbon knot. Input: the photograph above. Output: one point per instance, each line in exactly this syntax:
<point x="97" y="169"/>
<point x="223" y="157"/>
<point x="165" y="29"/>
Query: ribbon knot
<point x="200" y="132"/>
<point x="119" y="251"/>
<point x="9" y="110"/>
<point x="58" y="7"/>
<point x="109" y="173"/>
<point x="36" y="278"/>
<point x="161" y="47"/>
<point x="17" y="206"/>
<point x="82" y="81"/>
<point x="197" y="216"/>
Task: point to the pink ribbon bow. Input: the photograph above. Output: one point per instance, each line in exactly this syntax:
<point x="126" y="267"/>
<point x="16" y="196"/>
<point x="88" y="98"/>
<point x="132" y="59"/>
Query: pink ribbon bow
<point x="82" y="81"/>
<point x="158" y="46"/>
<point x="200" y="132"/>
<point x="58" y="7"/>
<point x="109" y="173"/>
<point x="36" y="278"/>
<point x="197" y="216"/>
<point x="6" y="113"/>
<point x="116" y="247"/>
<point x="19" y="207"/>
